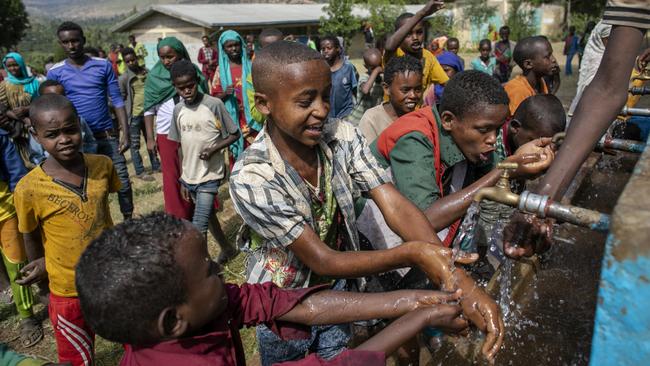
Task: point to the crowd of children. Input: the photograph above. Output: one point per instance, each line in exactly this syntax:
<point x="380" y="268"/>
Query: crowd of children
<point x="340" y="179"/>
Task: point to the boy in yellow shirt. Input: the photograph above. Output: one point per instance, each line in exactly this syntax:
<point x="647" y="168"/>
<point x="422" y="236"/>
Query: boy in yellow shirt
<point x="409" y="38"/>
<point x="62" y="205"/>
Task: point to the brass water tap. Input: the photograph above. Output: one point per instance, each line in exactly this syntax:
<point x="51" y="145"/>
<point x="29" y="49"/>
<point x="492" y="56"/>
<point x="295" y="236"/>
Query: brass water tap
<point x="501" y="192"/>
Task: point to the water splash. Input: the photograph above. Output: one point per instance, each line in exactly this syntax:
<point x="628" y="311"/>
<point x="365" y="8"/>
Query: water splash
<point x="465" y="239"/>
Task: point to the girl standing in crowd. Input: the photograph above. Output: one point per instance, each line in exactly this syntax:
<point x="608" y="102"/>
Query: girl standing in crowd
<point x="229" y="85"/>
<point x="16" y="93"/>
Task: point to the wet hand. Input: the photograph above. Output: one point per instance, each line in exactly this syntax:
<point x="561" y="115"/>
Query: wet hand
<point x="437" y="263"/>
<point x="429" y="298"/>
<point x="447" y="317"/>
<point x="432" y="6"/>
<point x="533" y="158"/>
<point x="33" y="272"/>
<point x="526" y="234"/>
<point x="484" y="312"/>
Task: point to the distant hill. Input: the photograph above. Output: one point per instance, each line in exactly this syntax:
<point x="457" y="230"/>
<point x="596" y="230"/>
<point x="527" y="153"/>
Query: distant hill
<point x="85" y="9"/>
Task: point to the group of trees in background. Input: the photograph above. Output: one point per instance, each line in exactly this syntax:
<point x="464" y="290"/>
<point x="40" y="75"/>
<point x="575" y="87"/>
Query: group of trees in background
<point x="520" y="17"/>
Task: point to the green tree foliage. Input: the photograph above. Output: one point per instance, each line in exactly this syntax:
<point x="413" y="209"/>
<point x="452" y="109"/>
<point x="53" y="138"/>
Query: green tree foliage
<point x="13" y="22"/>
<point x="383" y="14"/>
<point x="339" y="20"/>
<point x="440" y="24"/>
<point x="478" y="11"/>
<point x="520" y="19"/>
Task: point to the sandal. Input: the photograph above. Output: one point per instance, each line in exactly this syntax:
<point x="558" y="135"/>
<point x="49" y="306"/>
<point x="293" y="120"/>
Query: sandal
<point x="31" y="332"/>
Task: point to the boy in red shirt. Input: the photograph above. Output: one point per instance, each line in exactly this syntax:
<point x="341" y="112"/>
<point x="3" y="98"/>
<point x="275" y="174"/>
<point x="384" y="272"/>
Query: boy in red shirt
<point x="162" y="294"/>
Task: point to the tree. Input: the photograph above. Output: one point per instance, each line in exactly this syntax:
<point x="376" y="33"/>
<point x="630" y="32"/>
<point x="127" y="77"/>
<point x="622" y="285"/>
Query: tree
<point x="521" y="20"/>
<point x="13" y="22"/>
<point x="383" y="14"/>
<point x="478" y="11"/>
<point x="339" y="20"/>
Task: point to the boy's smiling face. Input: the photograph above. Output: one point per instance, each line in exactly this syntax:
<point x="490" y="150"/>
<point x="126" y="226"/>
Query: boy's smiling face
<point x="298" y="105"/>
<point x="476" y="132"/>
<point x="58" y="132"/>
<point x="404" y="92"/>
<point x="206" y="295"/>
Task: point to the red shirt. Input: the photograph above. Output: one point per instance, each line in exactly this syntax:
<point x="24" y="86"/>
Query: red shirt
<point x="248" y="305"/>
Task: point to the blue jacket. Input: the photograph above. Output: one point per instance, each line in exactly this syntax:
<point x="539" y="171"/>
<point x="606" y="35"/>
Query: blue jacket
<point x="12" y="168"/>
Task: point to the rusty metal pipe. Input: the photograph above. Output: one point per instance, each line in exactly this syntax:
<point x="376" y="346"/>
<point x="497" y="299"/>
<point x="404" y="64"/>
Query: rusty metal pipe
<point x="542" y="206"/>
<point x="622" y="145"/>
<point x="607" y="142"/>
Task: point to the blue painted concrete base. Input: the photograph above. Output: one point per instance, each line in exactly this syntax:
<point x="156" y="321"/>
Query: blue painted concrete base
<point x="622" y="326"/>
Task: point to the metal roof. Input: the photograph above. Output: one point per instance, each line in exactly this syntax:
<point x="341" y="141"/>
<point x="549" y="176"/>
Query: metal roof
<point x="242" y="15"/>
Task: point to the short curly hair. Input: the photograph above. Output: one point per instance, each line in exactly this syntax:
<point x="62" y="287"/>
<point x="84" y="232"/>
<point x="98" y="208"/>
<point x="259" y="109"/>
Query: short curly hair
<point x="128" y="275"/>
<point x="404" y="64"/>
<point x="69" y="26"/>
<point x="470" y="91"/>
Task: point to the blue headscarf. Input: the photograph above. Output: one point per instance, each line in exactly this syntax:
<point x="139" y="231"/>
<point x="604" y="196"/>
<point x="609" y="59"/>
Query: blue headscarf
<point x="29" y="83"/>
<point x="449" y="59"/>
<point x="226" y="80"/>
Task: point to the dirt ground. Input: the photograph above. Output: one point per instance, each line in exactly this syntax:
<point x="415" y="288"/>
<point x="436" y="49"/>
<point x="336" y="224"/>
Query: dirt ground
<point x="148" y="198"/>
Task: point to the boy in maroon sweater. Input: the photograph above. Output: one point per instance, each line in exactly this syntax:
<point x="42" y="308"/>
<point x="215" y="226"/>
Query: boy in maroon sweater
<point x="150" y="283"/>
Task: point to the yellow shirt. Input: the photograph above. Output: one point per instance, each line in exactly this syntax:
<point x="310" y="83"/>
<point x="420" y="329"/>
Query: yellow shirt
<point x="432" y="72"/>
<point x="7" y="210"/>
<point x="68" y="219"/>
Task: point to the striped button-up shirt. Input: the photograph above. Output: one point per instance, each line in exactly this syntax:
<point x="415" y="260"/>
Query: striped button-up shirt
<point x="274" y="201"/>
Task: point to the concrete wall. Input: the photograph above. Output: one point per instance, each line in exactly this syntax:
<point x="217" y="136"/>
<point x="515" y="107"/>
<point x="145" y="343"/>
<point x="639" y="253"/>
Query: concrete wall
<point x="159" y="25"/>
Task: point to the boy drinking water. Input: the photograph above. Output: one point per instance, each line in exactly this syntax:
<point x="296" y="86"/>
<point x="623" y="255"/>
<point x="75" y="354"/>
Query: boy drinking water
<point x="294" y="189"/>
<point x="62" y="205"/>
<point x="534" y="55"/>
<point x="203" y="127"/>
<point x="191" y="317"/>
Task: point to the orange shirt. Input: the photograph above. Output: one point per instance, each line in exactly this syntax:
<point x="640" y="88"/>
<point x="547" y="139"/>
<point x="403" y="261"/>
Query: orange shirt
<point x="519" y="89"/>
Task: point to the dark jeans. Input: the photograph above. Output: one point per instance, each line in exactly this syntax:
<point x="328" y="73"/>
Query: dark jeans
<point x="136" y="128"/>
<point x="110" y="147"/>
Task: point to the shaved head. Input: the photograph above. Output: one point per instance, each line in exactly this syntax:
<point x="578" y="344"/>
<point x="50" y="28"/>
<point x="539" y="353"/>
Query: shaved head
<point x="275" y="56"/>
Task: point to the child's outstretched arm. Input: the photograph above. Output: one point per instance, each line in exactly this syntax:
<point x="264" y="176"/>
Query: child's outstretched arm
<point x="444" y="316"/>
<point x="393" y="42"/>
<point x="337" y="307"/>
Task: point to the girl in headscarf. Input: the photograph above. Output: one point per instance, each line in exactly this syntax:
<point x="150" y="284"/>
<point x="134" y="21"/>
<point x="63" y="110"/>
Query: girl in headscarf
<point x="16" y="93"/>
<point x="159" y="101"/>
<point x="229" y="85"/>
<point x="452" y="64"/>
